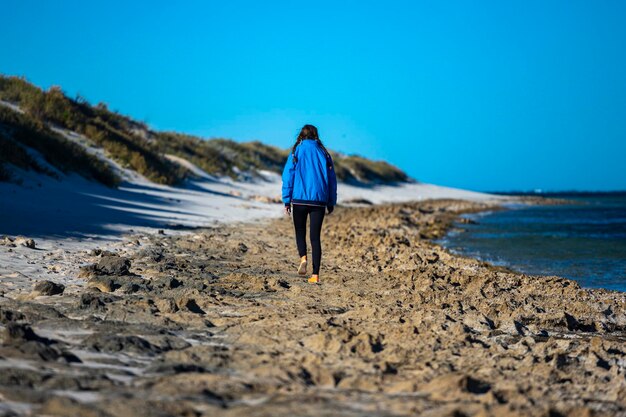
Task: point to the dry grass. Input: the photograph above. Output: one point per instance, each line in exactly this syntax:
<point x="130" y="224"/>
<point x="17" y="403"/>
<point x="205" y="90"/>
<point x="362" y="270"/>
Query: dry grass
<point x="19" y="132"/>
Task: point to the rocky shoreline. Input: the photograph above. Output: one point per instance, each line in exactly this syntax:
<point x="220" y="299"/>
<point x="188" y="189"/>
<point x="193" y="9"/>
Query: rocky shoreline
<point x="216" y="322"/>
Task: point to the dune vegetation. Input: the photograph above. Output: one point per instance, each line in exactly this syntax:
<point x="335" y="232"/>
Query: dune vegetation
<point x="134" y="145"/>
<point x="20" y="135"/>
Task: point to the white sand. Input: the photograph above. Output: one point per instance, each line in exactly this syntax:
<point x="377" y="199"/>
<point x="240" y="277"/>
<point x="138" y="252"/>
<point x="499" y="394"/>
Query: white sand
<point x="72" y="207"/>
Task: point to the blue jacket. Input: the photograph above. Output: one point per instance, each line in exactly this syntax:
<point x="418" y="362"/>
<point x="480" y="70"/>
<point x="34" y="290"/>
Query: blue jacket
<point x="310" y="178"/>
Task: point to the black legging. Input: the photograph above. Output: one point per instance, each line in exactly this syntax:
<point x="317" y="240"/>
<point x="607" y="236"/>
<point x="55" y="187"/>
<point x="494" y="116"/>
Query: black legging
<point x="300" y="213"/>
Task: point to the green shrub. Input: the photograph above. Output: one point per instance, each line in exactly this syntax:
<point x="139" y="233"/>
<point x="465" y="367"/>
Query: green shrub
<point x="195" y="150"/>
<point x="13" y="153"/>
<point x="365" y="170"/>
<point x="107" y="129"/>
<point x="19" y="131"/>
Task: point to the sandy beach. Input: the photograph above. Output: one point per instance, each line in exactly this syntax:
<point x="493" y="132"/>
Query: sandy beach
<point x="216" y="322"/>
<point x="462" y="164"/>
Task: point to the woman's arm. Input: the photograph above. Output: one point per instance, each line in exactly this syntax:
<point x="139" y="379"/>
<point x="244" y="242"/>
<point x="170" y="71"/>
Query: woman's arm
<point x="288" y="175"/>
<point x="332" y="184"/>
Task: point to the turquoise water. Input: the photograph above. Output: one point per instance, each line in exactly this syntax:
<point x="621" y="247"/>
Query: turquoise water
<point x="584" y="241"/>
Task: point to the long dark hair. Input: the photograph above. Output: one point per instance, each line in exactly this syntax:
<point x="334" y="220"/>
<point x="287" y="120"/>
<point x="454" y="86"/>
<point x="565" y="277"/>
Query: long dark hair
<point x="307" y="132"/>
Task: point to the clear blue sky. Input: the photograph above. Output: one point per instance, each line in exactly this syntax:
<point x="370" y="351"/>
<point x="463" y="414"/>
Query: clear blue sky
<point x="491" y="95"/>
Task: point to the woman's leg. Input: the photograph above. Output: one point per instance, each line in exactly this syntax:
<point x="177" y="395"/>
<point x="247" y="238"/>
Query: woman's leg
<point x="299" y="214"/>
<point x="317" y="218"/>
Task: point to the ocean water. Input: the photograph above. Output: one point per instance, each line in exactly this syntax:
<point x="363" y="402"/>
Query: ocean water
<point x="584" y="241"/>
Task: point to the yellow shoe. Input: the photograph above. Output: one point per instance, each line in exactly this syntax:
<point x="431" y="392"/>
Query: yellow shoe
<point x="302" y="267"/>
<point x="315" y="279"/>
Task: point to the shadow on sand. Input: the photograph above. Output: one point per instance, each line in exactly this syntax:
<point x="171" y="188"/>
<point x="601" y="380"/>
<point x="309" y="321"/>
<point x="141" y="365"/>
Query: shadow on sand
<point x="79" y="208"/>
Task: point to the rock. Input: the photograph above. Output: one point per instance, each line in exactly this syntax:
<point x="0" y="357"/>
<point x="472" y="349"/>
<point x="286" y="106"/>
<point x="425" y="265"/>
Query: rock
<point x="31" y="345"/>
<point x="432" y="257"/>
<point x="7" y="241"/>
<point x="95" y="301"/>
<point x="112" y="343"/>
<point x="107" y="265"/>
<point x="168" y="283"/>
<point x="48" y="288"/>
<point x="7" y="316"/>
<point x="454" y="386"/>
<point x="189" y="304"/>
<point x="19" y="377"/>
<point x="128" y="284"/>
<point x="100" y="252"/>
<point x="87" y="271"/>
<point x="24" y="241"/>
<point x="20" y="332"/>
<point x="132" y="285"/>
<point x="166" y="305"/>
<point x="176" y="368"/>
<point x="46" y="352"/>
<point x="275" y="284"/>
<point x="166" y="343"/>
<point x="318" y="376"/>
<point x="574" y="324"/>
<point x="113" y="265"/>
<point x="104" y="284"/>
<point x="155" y="254"/>
<point x="366" y="345"/>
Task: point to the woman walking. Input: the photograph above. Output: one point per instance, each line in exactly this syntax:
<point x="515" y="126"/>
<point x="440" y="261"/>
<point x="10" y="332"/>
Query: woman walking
<point x="309" y="189"/>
